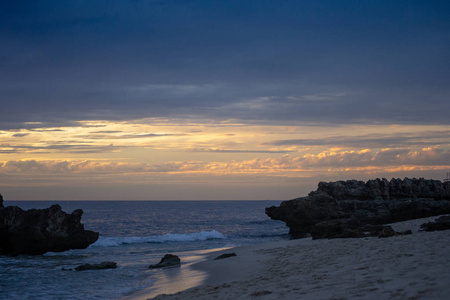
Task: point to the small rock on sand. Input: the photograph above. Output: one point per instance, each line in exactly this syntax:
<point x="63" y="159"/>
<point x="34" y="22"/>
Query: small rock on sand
<point x="225" y="255"/>
<point x="169" y="260"/>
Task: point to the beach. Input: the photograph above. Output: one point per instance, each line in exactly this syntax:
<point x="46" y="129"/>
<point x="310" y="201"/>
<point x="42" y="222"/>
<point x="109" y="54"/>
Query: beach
<point x="136" y="234"/>
<point x="415" y="266"/>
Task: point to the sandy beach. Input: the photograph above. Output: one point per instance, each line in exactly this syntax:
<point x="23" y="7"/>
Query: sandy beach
<point x="415" y="266"/>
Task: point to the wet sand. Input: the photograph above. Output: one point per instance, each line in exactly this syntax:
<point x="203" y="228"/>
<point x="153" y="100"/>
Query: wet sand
<point x="413" y="266"/>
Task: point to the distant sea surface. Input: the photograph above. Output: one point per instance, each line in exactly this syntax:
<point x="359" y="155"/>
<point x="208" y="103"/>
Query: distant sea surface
<point x="134" y="234"/>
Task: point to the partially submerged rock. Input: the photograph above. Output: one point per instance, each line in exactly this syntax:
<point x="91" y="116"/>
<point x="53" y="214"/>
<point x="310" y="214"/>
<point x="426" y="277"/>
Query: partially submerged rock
<point x="169" y="260"/>
<point x="345" y="208"/>
<point x="100" y="266"/>
<point x="37" y="231"/>
<point x="441" y="223"/>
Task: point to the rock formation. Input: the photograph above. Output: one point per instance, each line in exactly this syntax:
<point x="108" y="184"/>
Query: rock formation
<point x="37" y="231"/>
<point x="169" y="260"/>
<point x="441" y="223"/>
<point x="101" y="266"/>
<point x="349" y="208"/>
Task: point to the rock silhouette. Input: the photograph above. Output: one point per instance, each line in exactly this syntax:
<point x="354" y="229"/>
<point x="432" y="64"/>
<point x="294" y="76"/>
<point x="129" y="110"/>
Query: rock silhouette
<point x="37" y="231"/>
<point x="344" y="208"/>
<point x="169" y="260"/>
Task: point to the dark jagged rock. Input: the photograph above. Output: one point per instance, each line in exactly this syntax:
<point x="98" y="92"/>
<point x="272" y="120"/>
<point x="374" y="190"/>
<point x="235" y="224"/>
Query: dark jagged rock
<point x="101" y="266"/>
<point x="335" y="229"/>
<point x="1" y="201"/>
<point x="343" y="208"/>
<point x="388" y="231"/>
<point x="441" y="223"/>
<point x="384" y="189"/>
<point x="37" y="231"/>
<point x="407" y="232"/>
<point x="169" y="260"/>
<point x="225" y="255"/>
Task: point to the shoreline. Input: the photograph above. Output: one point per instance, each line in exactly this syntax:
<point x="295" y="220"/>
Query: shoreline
<point x="176" y="279"/>
<point x="400" y="267"/>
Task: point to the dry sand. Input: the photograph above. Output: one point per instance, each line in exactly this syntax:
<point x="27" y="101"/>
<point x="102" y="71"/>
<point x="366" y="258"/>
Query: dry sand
<point x="413" y="266"/>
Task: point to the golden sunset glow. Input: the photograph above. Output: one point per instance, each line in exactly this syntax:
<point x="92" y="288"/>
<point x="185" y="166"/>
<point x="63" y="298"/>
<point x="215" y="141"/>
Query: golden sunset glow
<point x="151" y="152"/>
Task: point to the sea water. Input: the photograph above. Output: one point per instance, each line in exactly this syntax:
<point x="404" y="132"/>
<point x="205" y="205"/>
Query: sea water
<point x="135" y="234"/>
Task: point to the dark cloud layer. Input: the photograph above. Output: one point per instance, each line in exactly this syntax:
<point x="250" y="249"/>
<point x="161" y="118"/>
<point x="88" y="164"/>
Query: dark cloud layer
<point x="422" y="139"/>
<point x="124" y="136"/>
<point x="68" y="147"/>
<point x="329" y="62"/>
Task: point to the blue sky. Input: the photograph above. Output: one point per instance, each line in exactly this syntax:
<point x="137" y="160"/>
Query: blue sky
<point x="378" y="70"/>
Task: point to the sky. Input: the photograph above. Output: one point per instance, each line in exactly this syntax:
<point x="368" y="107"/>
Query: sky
<point x="219" y="100"/>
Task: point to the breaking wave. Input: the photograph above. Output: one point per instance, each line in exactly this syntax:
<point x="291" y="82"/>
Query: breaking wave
<point x="105" y="241"/>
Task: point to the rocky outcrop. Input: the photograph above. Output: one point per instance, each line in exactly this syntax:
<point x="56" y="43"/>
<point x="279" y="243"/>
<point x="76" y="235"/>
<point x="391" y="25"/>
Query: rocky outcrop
<point x="37" y="231"/>
<point x="169" y="260"/>
<point x="344" y="208"/>
<point x="1" y="201"/>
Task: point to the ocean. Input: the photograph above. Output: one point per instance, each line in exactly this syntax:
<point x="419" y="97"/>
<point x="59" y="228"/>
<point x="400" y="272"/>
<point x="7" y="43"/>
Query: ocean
<point x="136" y="234"/>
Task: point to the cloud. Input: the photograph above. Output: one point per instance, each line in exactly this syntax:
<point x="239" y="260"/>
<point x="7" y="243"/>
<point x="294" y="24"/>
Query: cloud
<point x="20" y="134"/>
<point x="400" y="158"/>
<point x="238" y="151"/>
<point x="107" y="131"/>
<point x="60" y="147"/>
<point x="292" y="62"/>
<point x="54" y="124"/>
<point x="430" y="157"/>
<point x="94" y="167"/>
<point x="395" y="139"/>
<point x="125" y="136"/>
<point x="304" y="86"/>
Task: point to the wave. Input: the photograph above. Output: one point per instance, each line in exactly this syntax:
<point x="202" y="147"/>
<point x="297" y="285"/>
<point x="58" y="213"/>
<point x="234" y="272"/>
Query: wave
<point x="107" y="241"/>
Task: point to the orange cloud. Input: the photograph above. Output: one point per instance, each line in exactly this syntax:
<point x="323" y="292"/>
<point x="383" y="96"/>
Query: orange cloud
<point x="394" y="159"/>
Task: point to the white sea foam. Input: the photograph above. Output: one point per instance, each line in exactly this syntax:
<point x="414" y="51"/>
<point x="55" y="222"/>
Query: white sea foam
<point x="105" y="241"/>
